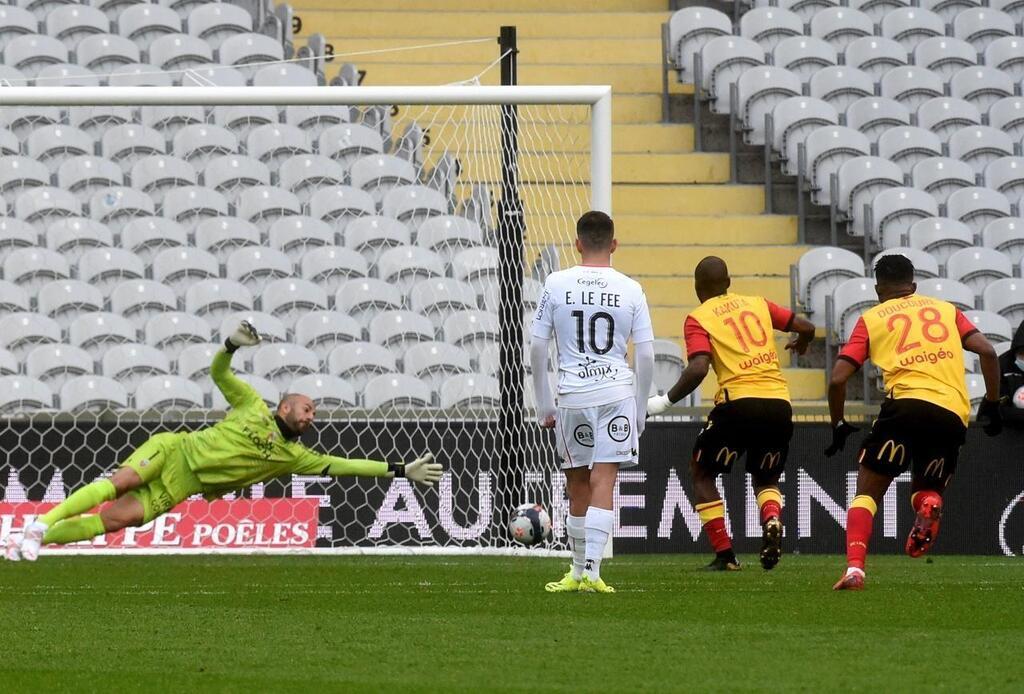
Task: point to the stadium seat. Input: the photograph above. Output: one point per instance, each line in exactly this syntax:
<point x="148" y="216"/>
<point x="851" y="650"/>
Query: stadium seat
<point x="221" y="236"/>
<point x="139" y="300"/>
<point x="371" y="235"/>
<point x="92" y="393"/>
<point x="315" y="119"/>
<point x="10" y="145"/>
<point x="30" y="53"/>
<point x="977" y="206"/>
<point x="447" y="235"/>
<point x="19" y="174"/>
<point x="841" y="25"/>
<point x="67" y="75"/>
<point x="168" y="393"/>
<point x="264" y="205"/>
<point x="73" y="236"/>
<point x="1005" y="235"/>
<point x="212" y="299"/>
<point x="956" y="293"/>
<point x="22" y="393"/>
<point x="326" y="392"/>
<point x="144" y="23"/>
<point x="1007" y="54"/>
<point x="104" y="268"/>
<point x="99" y="331"/>
<point x="289" y="299"/>
<point x="945" y="56"/>
<point x="876" y="9"/>
<point x="194" y="364"/>
<point x="65" y="300"/>
<point x="723" y="60"/>
<point x="258" y="266"/>
<point x="849" y="299"/>
<point x="13" y="299"/>
<point x="978" y="145"/>
<point x="358" y="362"/>
<point x="282" y="363"/>
<point x="859" y="180"/>
<point x="942" y="176"/>
<point x="104" y="52"/>
<point x="232" y="174"/>
<point x="403" y="266"/>
<point x="688" y="30"/>
<point x="1014" y="8"/>
<point x="31" y="268"/>
<point x="907" y="145"/>
<point x="925" y="266"/>
<point x="305" y="174"/>
<point x="378" y="174"/>
<point x="179" y="52"/>
<point x="895" y="210"/>
<point x="246" y="51"/>
<point x="438" y="298"/>
<point x="1006" y="175"/>
<point x="948" y="9"/>
<point x="42" y="205"/>
<point x="478" y="266"/>
<point x="241" y="120"/>
<point x="16" y="21"/>
<point x="758" y="90"/>
<point x="981" y="86"/>
<point x="668" y="364"/>
<point x="181" y="267"/>
<point x="474" y="331"/>
<point x="767" y="26"/>
<point x="980" y="26"/>
<point x="15" y="234"/>
<point x="332" y="266"/>
<point x="363" y="298"/>
<point x="977" y="266"/>
<point x="212" y="76"/>
<point x="435" y="362"/>
<point x="911" y="86"/>
<point x="52" y="145"/>
<point x="339" y="205"/>
<point x="939" y="237"/>
<point x="275" y="143"/>
<point x="298" y="235"/>
<point x="991" y="325"/>
<point x="1008" y="115"/>
<point x="55" y="364"/>
<point x="322" y="331"/>
<point x="130" y="364"/>
<point x="399" y="330"/>
<point x="270" y="393"/>
<point x="945" y="115"/>
<point x="117" y="205"/>
<point x="22" y="120"/>
<point x="911" y="25"/>
<point x="1006" y="297"/>
<point x="875" y="55"/>
<point x="414" y="205"/>
<point x="156" y="174"/>
<point x="85" y="175"/>
<point x="470" y="391"/>
<point x="200" y="143"/>
<point x="173" y="331"/>
<point x="284" y="75"/>
<point x="126" y="144"/>
<point x="215" y="22"/>
<point x="841" y="86"/>
<point x="138" y="75"/>
<point x="804" y="55"/>
<point x="348" y="142"/>
<point x="170" y="120"/>
<point x="147" y="236"/>
<point x="396" y="391"/>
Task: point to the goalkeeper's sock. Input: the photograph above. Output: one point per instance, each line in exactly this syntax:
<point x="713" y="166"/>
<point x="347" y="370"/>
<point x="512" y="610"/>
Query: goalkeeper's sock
<point x="576" y="526"/>
<point x="598" y="527"/>
<point x="859" y="520"/>
<point x="88" y="497"/>
<point x="770" y="502"/>
<point x="712" y="518"/>
<point x="74" y="530"/>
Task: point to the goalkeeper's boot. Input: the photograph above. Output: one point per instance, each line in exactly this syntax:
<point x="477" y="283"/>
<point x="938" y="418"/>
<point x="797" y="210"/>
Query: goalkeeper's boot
<point x="12" y="547"/>
<point x="771" y="543"/>
<point x="926" y="526"/>
<point x="723" y="563"/>
<point x="34" y="532"/>
<point x="594" y="585"/>
<point x="567" y="584"/>
<point x="853" y="579"/>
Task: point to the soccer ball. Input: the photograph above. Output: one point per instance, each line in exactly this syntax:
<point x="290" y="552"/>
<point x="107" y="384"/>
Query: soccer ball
<point x="1018" y="398"/>
<point x="530" y="525"/>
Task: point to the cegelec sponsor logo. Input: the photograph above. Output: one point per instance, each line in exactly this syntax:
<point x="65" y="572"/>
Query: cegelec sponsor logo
<point x="239" y="523"/>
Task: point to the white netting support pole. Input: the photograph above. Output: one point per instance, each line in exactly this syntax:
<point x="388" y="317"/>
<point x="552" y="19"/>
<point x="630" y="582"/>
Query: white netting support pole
<point x="601" y="153"/>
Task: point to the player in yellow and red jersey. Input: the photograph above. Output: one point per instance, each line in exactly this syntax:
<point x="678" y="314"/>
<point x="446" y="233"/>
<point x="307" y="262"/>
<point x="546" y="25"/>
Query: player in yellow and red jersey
<point x="733" y="334"/>
<point x="918" y="343"/>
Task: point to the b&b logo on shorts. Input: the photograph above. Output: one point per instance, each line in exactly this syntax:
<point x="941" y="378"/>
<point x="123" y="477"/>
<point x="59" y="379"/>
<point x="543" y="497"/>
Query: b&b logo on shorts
<point x="619" y="428"/>
<point x="584" y="435"/>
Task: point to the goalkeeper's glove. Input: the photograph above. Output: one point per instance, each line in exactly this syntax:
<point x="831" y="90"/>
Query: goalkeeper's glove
<point x="840" y="433"/>
<point x="990" y="417"/>
<point x="423" y="470"/>
<point x="245" y="335"/>
<point x="658" y="404"/>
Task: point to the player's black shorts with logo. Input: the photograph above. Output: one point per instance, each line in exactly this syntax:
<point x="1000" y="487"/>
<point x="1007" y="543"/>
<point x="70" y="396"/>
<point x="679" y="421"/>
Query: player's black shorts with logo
<point x="914" y="432"/>
<point x="759" y="427"/>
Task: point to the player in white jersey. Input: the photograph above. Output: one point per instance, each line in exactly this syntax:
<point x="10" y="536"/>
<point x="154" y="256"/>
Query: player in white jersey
<point x="593" y="311"/>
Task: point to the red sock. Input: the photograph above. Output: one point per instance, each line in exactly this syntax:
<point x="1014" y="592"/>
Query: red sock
<point x="918" y="498"/>
<point x="715" y="528"/>
<point x="858" y="531"/>
<point x="770" y="509"/>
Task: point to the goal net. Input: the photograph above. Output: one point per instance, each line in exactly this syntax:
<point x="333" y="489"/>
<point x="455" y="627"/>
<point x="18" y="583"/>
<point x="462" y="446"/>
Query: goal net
<point x="388" y="243"/>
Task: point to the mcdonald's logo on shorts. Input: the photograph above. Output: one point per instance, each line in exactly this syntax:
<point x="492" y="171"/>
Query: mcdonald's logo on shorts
<point x="894" y="449"/>
<point x="729" y="456"/>
<point x="770" y="460"/>
<point x="935" y="467"/>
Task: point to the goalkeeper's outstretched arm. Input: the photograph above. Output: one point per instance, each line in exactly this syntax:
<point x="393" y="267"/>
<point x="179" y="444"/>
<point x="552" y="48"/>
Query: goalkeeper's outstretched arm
<point x="423" y="470"/>
<point x="237" y="392"/>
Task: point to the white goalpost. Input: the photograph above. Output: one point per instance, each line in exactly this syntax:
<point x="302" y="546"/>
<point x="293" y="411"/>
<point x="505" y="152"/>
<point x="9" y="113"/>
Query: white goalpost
<point x="389" y="243"/>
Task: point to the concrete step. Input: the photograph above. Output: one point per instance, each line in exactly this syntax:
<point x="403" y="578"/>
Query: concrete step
<point x="502" y="6"/>
<point x="701" y="231"/>
<point x="695" y="167"/>
<point x="687" y="200"/>
<point x="543" y="128"/>
<point x="673" y="261"/>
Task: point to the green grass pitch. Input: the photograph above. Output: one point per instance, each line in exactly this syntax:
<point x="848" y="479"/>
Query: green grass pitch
<point x="313" y="624"/>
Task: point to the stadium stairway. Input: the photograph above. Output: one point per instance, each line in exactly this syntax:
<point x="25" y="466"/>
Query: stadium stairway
<point x="672" y="205"/>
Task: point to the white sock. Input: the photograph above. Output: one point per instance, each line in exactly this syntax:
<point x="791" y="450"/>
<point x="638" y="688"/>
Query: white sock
<point x="598" y="528"/>
<point x="576" y="527"/>
<point x="850" y="570"/>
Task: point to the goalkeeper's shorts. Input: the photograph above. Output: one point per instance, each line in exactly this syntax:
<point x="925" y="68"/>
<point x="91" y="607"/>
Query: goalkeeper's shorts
<point x="758" y="427"/>
<point x="167" y="478"/>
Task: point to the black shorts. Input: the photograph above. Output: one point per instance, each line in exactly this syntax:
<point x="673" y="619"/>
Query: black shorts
<point x="759" y="427"/>
<point x="914" y="432"/>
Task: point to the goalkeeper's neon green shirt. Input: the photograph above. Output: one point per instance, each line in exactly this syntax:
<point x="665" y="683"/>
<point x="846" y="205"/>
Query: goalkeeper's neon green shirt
<point x="247" y="446"/>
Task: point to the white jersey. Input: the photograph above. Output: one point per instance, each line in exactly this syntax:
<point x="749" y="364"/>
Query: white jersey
<point x="593" y="312"/>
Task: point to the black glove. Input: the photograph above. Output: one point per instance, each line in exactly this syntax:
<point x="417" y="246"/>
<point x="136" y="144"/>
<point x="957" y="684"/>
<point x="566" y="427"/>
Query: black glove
<point x="840" y="433"/>
<point x="990" y="417"/>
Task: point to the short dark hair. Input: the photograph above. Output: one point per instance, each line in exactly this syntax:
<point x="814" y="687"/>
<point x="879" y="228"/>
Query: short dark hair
<point x="894" y="269"/>
<point x="595" y="230"/>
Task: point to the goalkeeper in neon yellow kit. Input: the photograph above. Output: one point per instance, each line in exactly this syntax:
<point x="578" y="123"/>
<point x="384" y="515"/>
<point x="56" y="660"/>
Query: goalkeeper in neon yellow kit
<point x="250" y="445"/>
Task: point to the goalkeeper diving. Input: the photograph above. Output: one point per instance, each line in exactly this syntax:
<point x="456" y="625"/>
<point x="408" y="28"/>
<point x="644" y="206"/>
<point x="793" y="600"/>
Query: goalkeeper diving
<point x="251" y="444"/>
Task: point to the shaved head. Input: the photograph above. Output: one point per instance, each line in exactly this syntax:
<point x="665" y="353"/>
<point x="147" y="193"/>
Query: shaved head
<point x="297" y="411"/>
<point x="711" y="278"/>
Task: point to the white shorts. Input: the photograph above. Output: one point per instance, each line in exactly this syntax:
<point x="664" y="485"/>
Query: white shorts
<point x="600" y="434"/>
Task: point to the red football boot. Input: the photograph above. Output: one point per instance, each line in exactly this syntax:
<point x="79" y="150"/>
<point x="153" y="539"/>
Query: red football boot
<point x="926" y="526"/>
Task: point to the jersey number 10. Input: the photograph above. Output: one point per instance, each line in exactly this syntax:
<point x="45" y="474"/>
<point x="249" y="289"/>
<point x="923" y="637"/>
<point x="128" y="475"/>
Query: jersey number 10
<point x="743" y="330"/>
<point x="609" y="338"/>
